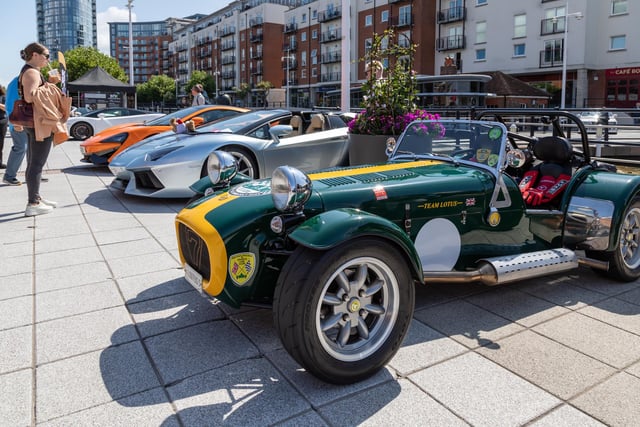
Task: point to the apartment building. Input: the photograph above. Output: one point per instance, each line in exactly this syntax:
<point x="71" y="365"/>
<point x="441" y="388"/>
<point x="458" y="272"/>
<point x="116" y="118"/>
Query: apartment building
<point x="533" y="40"/>
<point x="64" y="25"/>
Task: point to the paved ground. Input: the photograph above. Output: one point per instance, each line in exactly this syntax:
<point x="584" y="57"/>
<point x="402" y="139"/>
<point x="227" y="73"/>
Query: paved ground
<point x="98" y="327"/>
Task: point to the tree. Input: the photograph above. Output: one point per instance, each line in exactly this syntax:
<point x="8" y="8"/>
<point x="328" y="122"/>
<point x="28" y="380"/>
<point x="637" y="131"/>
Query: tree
<point x="206" y="80"/>
<point x="82" y="59"/>
<point x="264" y="86"/>
<point x="157" y="89"/>
<point x="243" y="91"/>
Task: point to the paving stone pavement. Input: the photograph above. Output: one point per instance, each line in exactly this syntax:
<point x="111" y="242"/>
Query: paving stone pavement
<point x="98" y="327"/>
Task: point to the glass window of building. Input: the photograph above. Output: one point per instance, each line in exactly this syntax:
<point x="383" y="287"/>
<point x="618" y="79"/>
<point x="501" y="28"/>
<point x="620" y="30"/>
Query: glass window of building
<point x="481" y="54"/>
<point x="520" y="26"/>
<point x="519" y="49"/>
<point x="618" y="43"/>
<point x="481" y="32"/>
<point x="618" y="7"/>
<point x="384" y="16"/>
<point x="368" y="20"/>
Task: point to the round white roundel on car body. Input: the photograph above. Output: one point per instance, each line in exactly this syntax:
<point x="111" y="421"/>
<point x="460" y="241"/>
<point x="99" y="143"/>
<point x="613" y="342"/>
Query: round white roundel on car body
<point x="438" y="245"/>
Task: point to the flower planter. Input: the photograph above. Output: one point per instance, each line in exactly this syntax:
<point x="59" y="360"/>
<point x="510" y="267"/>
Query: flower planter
<point x="366" y="149"/>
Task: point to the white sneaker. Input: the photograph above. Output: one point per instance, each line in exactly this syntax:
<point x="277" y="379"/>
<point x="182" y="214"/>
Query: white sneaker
<point x="49" y="203"/>
<point x="39" y="209"/>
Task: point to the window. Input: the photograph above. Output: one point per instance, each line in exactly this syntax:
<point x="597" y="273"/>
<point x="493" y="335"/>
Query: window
<point x="481" y="2"/>
<point x="314" y="34"/>
<point x="367" y="45"/>
<point x="618" y="7"/>
<point x="304" y="17"/>
<point x="519" y="49"/>
<point x="481" y="32"/>
<point x="519" y="26"/>
<point x="384" y="16"/>
<point x="618" y="43"/>
<point x="481" y="54"/>
<point x="303" y="36"/>
<point x="368" y="21"/>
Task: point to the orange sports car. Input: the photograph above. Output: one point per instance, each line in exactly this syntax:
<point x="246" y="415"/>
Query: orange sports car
<point x="102" y="147"/>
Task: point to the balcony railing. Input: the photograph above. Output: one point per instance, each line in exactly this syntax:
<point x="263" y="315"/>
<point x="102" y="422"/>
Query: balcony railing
<point x="292" y="82"/>
<point x="256" y="38"/>
<point x="293" y="64"/>
<point x="256" y="54"/>
<point x="449" y="43"/>
<point x="330" y="77"/>
<point x="551" y="58"/>
<point x="291" y="27"/>
<point x="255" y="22"/>
<point x="228" y="31"/>
<point x="452" y="14"/>
<point x="228" y="59"/>
<point x="329" y="15"/>
<point x="330" y="36"/>
<point x="228" y="45"/>
<point x="552" y="26"/>
<point x="402" y="20"/>
<point x="256" y="70"/>
<point x="291" y="46"/>
<point x="330" y="57"/>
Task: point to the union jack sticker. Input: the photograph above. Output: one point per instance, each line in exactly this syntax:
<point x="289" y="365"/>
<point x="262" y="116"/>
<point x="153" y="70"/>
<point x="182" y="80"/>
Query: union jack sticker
<point x="471" y="201"/>
<point x="241" y="267"/>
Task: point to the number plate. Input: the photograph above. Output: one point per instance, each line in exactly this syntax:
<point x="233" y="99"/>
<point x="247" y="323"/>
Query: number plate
<point x="193" y="277"/>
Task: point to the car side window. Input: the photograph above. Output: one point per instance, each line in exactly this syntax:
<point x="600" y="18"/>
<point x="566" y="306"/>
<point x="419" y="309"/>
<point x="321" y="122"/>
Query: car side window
<point x="261" y="133"/>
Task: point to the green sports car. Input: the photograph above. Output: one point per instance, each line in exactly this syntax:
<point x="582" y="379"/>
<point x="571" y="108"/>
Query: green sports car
<point x="336" y="253"/>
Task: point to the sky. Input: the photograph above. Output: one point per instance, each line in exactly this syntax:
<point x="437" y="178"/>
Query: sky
<point x="18" y="23"/>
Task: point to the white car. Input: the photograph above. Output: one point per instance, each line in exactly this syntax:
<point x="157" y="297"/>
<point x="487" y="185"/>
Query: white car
<point x="592" y="118"/>
<point x="83" y="127"/>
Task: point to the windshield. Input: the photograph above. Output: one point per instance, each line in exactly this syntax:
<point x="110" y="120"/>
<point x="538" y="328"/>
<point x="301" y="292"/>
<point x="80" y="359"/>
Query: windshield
<point x="237" y="123"/>
<point x="472" y="141"/>
<point x="164" y="120"/>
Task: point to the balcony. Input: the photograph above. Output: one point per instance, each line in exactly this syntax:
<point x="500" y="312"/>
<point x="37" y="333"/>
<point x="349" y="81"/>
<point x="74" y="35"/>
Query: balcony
<point x="330" y="57"/>
<point x="552" y="26"/>
<point x="291" y="47"/>
<point x="329" y="15"/>
<point x="293" y="64"/>
<point x="226" y="31"/>
<point x="290" y="27"/>
<point x="453" y="14"/>
<point x="450" y="43"/>
<point x="331" y="36"/>
<point x="228" y="45"/>
<point x="228" y="74"/>
<point x="256" y="22"/>
<point x="551" y="58"/>
<point x="256" y="70"/>
<point x="330" y="77"/>
<point x="202" y="41"/>
<point x="257" y="54"/>
<point x="256" y="38"/>
<point x="402" y="20"/>
<point x="230" y="59"/>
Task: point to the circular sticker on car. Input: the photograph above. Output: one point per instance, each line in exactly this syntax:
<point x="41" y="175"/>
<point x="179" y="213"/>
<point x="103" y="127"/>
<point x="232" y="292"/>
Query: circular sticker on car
<point x="252" y="188"/>
<point x="495" y="133"/>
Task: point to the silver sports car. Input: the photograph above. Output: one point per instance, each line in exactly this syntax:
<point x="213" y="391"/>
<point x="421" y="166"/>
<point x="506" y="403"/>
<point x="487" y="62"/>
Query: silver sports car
<point x="167" y="164"/>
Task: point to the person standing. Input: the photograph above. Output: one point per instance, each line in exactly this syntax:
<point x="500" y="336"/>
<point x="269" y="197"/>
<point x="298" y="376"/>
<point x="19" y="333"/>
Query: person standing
<point x="18" y="136"/>
<point x="48" y="118"/>
<point x="198" y="97"/>
<point x="3" y="123"/>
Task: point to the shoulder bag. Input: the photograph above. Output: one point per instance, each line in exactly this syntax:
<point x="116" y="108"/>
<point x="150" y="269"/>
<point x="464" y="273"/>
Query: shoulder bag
<point x="22" y="114"/>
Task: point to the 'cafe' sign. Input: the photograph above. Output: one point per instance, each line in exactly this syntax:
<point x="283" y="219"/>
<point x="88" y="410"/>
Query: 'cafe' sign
<point x="623" y="72"/>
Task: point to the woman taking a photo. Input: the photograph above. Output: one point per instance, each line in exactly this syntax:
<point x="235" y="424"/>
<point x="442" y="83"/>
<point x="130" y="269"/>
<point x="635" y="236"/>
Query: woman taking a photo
<point x="49" y="118"/>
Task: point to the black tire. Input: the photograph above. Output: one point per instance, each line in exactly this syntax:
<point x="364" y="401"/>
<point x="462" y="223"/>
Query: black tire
<point x="81" y="131"/>
<point x="247" y="164"/>
<point x="624" y="261"/>
<point x="342" y="314"/>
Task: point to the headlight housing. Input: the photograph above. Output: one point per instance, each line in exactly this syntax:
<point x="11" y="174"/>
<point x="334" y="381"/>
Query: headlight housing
<point x="290" y="189"/>
<point x="221" y="167"/>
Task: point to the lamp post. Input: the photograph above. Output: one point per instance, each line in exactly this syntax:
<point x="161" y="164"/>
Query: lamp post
<point x="567" y="15"/>
<point x="216" y="73"/>
<point x="177" y="82"/>
<point x="131" y="79"/>
<point x="288" y="59"/>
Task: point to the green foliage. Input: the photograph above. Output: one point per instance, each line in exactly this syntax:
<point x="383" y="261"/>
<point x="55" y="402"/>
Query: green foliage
<point x="390" y="97"/>
<point x="206" y="80"/>
<point x="82" y="59"/>
<point x="157" y="89"/>
<point x="243" y="91"/>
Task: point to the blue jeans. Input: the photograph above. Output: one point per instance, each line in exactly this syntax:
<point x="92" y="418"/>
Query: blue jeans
<point x="16" y="155"/>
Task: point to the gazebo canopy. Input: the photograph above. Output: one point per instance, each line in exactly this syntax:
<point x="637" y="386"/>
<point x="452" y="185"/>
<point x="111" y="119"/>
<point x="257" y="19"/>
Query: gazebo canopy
<point x="99" y="80"/>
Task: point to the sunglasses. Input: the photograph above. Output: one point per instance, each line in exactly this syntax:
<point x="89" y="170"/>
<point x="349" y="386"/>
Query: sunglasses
<point x="46" y="55"/>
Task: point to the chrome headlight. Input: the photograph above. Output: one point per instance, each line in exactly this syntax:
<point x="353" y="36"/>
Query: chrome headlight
<point x="290" y="189"/>
<point x="221" y="167"/>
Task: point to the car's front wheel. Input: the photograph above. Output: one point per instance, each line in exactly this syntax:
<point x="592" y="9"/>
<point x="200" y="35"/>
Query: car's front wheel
<point x="342" y="314"/>
<point x="246" y="163"/>
<point x="624" y="261"/>
<point x="81" y="131"/>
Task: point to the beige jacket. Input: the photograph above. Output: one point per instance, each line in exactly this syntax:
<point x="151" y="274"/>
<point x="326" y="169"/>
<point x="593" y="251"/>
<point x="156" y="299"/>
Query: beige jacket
<point x="51" y="109"/>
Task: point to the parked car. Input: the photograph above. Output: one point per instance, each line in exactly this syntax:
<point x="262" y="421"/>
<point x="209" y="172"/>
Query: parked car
<point x="87" y="125"/>
<point x="260" y="141"/>
<point x="592" y="118"/>
<point x="337" y="253"/>
<point x="79" y="111"/>
<point x="104" y="146"/>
